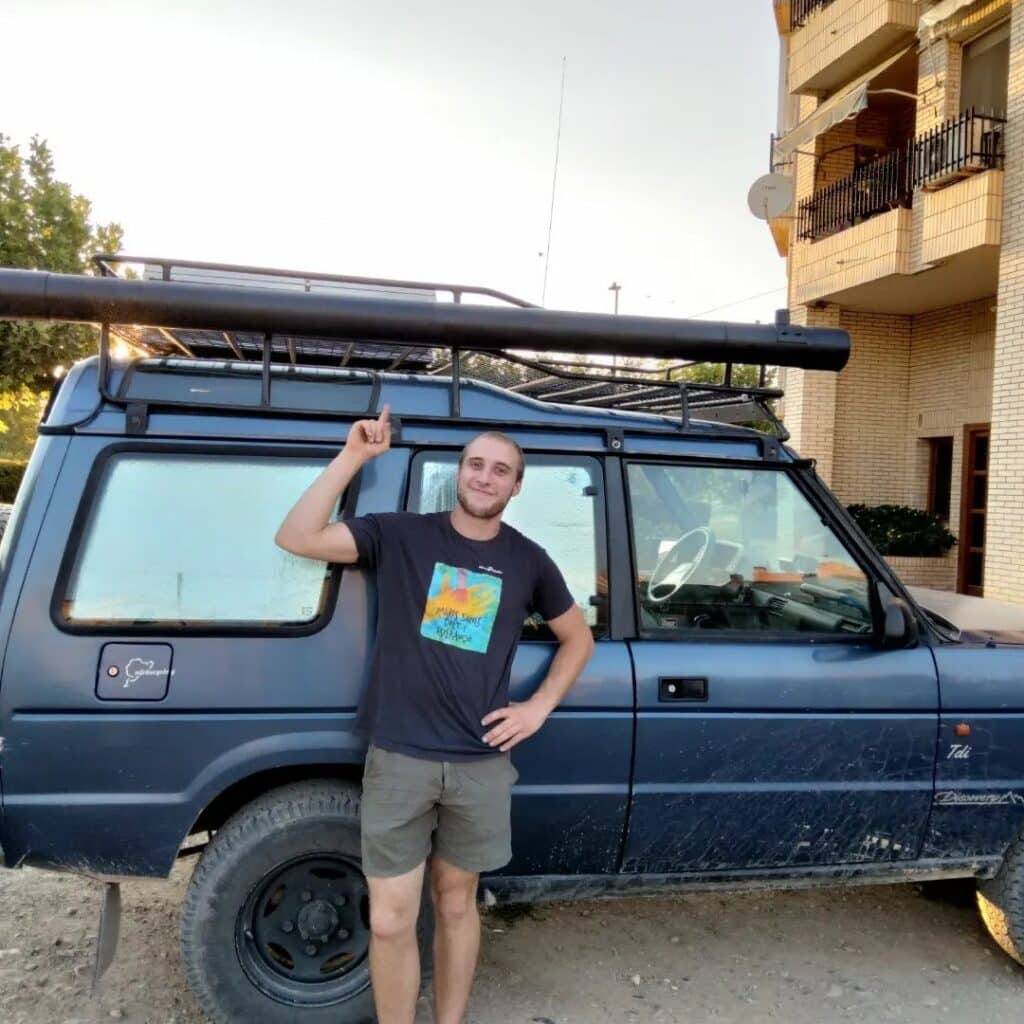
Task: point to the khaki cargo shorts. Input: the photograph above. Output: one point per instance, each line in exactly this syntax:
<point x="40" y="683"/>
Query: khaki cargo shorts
<point x="461" y="809"/>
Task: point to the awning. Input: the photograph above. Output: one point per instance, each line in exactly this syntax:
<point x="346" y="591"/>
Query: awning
<point x="940" y="12"/>
<point x="848" y="103"/>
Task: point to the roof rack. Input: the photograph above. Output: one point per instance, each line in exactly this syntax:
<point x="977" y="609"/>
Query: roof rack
<point x="278" y="322"/>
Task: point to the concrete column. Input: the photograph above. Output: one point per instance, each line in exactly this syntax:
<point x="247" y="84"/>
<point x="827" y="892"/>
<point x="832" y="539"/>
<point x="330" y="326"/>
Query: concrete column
<point x="938" y="83"/>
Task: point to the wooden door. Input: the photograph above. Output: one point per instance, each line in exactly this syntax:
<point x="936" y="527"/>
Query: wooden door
<point x="973" y="510"/>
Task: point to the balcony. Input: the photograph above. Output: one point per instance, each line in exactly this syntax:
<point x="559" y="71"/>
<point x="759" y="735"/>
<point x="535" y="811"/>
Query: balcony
<point x="801" y="10"/>
<point x="966" y="216"/>
<point x="963" y="146"/>
<point x="959" y="168"/>
<point x="833" y="41"/>
<point x="837" y="267"/>
<point x="871" y="189"/>
<point x="944" y="188"/>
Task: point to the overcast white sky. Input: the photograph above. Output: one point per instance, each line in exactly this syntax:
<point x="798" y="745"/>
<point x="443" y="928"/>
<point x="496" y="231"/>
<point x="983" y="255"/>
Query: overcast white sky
<point x="413" y="139"/>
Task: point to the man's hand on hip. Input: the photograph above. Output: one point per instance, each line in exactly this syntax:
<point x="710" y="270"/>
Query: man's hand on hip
<point x="515" y="723"/>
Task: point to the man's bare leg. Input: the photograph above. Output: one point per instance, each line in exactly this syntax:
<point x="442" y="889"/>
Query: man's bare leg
<point x="456" y="938"/>
<point x="394" y="953"/>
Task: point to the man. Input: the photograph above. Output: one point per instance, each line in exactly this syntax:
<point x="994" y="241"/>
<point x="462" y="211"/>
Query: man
<point x="453" y="592"/>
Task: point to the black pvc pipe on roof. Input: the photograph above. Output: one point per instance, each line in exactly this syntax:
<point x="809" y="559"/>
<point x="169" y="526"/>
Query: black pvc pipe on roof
<point x="38" y="295"/>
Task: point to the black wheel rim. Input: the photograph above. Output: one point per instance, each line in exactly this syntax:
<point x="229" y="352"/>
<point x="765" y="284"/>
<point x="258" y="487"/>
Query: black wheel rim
<point x="303" y="935"/>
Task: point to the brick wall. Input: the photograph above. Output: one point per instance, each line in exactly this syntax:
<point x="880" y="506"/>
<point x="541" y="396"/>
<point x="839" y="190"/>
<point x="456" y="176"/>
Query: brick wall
<point x="938" y="84"/>
<point x="804" y="170"/>
<point x="1004" y="559"/>
<point x="836" y="149"/>
<point x="870" y="436"/>
<point x="809" y="407"/>
<point x="835" y="152"/>
<point x="937" y="573"/>
<point x="950" y="387"/>
<point x="909" y="379"/>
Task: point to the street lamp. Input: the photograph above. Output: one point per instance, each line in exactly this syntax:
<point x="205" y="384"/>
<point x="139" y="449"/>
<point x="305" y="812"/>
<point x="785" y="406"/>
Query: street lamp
<point x="616" y="288"/>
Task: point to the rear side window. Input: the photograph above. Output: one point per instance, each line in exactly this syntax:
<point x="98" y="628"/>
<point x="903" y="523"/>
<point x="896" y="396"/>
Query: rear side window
<point x="560" y="506"/>
<point x="182" y="539"/>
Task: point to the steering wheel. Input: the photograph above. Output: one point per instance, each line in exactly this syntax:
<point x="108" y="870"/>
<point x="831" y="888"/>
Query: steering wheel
<point x="690" y="553"/>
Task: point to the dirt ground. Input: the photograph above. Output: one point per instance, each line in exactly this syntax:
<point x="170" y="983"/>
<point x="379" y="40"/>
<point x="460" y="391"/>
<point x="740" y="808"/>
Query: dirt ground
<point x="806" y="957"/>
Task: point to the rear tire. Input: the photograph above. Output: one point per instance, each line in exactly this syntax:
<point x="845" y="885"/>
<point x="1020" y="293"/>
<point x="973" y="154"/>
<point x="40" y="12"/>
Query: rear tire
<point x="1001" y="903"/>
<point x="275" y="924"/>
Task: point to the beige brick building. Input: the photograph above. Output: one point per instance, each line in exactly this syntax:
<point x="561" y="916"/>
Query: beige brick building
<point x="902" y="127"/>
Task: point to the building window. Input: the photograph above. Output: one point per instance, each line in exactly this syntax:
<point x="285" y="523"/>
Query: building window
<point x="986" y="72"/>
<point x="940" y="476"/>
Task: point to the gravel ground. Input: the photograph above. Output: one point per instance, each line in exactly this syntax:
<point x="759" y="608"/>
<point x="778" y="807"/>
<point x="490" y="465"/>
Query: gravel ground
<point x="893" y="953"/>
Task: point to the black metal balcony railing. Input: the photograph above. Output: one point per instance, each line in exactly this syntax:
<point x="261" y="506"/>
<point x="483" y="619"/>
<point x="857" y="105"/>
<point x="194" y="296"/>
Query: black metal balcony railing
<point x="871" y="189"/>
<point x="801" y="10"/>
<point x="964" y="145"/>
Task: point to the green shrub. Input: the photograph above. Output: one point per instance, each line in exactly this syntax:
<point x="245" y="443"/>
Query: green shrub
<point x="10" y="477"/>
<point x="901" y="530"/>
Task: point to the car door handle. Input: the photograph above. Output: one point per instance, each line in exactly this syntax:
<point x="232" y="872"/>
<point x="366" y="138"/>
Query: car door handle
<point x="677" y="688"/>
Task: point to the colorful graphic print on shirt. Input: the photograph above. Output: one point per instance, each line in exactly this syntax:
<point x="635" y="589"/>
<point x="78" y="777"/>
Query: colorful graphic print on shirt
<point x="461" y="607"/>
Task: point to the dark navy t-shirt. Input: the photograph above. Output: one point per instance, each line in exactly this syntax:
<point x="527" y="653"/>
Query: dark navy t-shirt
<point x="450" y="611"/>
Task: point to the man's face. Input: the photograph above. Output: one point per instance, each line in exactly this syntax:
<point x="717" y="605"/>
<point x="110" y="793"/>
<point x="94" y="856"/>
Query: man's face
<point x="487" y="477"/>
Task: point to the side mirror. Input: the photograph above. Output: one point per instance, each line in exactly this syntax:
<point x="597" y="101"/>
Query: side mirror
<point x="899" y="627"/>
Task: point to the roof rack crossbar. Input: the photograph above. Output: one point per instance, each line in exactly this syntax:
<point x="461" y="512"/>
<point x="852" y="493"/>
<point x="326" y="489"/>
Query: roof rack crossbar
<point x="233" y="345"/>
<point x="176" y="342"/>
<point x="537" y="382"/>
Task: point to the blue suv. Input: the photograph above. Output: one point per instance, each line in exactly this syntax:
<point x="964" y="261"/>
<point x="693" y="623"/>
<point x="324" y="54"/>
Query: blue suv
<point x="767" y="703"/>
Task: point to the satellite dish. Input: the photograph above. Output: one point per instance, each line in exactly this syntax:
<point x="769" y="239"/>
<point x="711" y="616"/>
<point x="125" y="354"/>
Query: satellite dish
<point x="770" y="196"/>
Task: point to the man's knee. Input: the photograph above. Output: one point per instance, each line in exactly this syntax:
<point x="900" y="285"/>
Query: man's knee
<point x="453" y="906"/>
<point x="393" y="920"/>
<point x="395" y="904"/>
<point x="453" y="894"/>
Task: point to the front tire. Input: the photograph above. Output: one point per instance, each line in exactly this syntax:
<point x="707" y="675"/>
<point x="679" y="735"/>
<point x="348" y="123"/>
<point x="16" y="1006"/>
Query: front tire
<point x="1001" y="903"/>
<point x="275" y="924"/>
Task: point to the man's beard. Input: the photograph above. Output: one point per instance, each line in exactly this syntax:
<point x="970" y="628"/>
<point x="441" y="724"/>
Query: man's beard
<point x="491" y="511"/>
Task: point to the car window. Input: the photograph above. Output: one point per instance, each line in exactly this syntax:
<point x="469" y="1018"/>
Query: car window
<point x="736" y="548"/>
<point x="560" y="506"/>
<point x="179" y="539"/>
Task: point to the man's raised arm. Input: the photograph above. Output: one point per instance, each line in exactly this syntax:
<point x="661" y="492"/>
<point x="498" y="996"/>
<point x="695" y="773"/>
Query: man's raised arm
<point x="307" y="529"/>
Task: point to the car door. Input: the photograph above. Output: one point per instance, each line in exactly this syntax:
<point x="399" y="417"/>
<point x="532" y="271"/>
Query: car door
<point x="771" y="729"/>
<point x="569" y="805"/>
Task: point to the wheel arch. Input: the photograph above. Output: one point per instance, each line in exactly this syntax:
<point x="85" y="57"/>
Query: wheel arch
<point x="235" y="795"/>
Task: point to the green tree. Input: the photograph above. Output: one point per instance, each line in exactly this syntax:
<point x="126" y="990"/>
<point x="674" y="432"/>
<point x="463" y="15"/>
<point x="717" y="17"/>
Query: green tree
<point x="20" y="410"/>
<point x="743" y="376"/>
<point x="714" y="373"/>
<point x="44" y="225"/>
